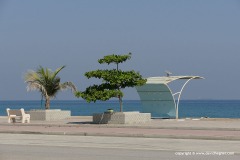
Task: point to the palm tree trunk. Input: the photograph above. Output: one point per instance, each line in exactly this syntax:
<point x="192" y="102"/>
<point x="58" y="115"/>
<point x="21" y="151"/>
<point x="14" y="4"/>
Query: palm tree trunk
<point x="47" y="103"/>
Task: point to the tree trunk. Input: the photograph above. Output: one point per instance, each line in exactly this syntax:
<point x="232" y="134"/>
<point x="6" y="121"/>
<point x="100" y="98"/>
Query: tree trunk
<point x="47" y="103"/>
<point x="120" y="102"/>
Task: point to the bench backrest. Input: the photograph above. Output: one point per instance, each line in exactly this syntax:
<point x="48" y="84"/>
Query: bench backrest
<point x="17" y="112"/>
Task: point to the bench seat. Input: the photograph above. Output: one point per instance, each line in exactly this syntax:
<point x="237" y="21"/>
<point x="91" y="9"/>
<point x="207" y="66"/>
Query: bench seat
<point x="14" y="115"/>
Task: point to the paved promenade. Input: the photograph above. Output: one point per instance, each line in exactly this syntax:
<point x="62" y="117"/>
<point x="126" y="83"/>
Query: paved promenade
<point x="159" y="139"/>
<point x="208" y="129"/>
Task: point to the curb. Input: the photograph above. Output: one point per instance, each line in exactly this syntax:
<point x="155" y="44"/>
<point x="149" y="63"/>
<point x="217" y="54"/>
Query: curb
<point x="227" y="138"/>
<point x="122" y="126"/>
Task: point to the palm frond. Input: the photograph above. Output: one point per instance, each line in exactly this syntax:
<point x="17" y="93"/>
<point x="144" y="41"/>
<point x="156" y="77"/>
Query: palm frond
<point x="33" y="86"/>
<point x="57" y="71"/>
<point x="68" y="85"/>
<point x="47" y="82"/>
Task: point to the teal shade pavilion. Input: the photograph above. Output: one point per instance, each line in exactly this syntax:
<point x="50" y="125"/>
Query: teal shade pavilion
<point x="157" y="97"/>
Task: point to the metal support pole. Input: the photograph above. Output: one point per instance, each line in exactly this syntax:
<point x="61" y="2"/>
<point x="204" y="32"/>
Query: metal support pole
<point x="179" y="96"/>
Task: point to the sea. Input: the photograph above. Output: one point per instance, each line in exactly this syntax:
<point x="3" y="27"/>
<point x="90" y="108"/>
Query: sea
<point x="187" y="108"/>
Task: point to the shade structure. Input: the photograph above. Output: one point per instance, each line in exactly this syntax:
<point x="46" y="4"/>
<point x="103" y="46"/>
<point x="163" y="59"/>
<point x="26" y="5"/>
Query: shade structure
<point x="157" y="97"/>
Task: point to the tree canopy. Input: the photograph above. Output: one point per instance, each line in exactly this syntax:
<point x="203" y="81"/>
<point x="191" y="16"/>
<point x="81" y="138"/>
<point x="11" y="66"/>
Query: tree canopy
<point x="113" y="80"/>
<point x="115" y="58"/>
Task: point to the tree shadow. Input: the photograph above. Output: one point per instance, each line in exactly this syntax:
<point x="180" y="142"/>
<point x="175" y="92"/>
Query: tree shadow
<point x="86" y="122"/>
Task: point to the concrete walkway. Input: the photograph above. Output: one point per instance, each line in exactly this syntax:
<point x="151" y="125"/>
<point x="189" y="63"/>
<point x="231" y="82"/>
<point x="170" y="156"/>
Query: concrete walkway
<point x="209" y="129"/>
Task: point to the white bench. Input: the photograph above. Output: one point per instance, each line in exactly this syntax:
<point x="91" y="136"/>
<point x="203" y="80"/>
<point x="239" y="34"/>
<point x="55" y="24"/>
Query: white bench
<point x="17" y="114"/>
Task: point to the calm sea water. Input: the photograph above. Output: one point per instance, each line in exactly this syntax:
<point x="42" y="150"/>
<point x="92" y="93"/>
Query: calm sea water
<point x="187" y="108"/>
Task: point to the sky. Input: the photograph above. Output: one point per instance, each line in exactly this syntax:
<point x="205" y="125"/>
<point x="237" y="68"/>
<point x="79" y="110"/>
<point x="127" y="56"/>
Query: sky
<point x="182" y="36"/>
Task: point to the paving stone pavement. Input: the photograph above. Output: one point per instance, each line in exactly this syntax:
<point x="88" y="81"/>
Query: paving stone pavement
<point x="209" y="129"/>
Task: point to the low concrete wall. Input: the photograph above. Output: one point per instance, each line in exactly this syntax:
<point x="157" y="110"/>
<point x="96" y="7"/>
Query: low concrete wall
<point x="121" y="118"/>
<point x="49" y="115"/>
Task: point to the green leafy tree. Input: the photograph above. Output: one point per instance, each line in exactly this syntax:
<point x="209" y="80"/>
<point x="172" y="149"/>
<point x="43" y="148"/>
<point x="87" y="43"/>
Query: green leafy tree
<point x="113" y="80"/>
<point x="47" y="82"/>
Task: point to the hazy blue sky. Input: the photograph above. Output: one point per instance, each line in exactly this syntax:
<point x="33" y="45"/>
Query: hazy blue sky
<point x="184" y="36"/>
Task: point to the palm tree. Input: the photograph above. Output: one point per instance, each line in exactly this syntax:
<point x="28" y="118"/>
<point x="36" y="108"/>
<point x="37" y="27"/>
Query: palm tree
<point x="47" y="82"/>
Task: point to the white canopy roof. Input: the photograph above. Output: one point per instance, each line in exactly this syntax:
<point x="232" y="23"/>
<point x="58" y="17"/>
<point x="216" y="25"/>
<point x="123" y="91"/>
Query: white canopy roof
<point x="168" y="79"/>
